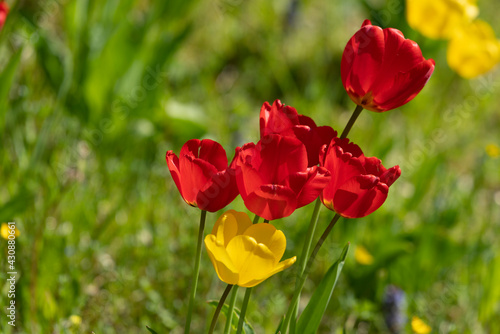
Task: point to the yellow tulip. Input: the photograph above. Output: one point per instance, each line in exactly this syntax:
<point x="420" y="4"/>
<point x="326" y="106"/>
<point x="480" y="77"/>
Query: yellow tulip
<point x="439" y="19"/>
<point x="419" y="326"/>
<point x="5" y="231"/>
<point x="245" y="254"/>
<point x="474" y="50"/>
<point x="362" y="256"/>
<point x="493" y="150"/>
<point x="75" y="320"/>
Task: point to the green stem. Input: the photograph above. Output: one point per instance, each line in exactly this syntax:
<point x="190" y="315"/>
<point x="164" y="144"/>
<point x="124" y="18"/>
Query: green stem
<point x="304" y="275"/>
<point x="196" y="272"/>
<point x="353" y="118"/>
<point x="256" y="219"/>
<point x="229" y="318"/>
<point x="305" y="251"/>
<point x="266" y="221"/>
<point x="309" y="236"/>
<point x="320" y="243"/>
<point x="219" y="307"/>
<point x="244" y="310"/>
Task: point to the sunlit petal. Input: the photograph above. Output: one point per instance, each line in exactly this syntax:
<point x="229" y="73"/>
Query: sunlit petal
<point x="268" y="235"/>
<point x="221" y="261"/>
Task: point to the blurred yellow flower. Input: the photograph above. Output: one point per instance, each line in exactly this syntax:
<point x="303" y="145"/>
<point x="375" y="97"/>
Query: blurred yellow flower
<point x="419" y="326"/>
<point x="362" y="256"/>
<point x="245" y="254"/>
<point x="75" y="320"/>
<point x="474" y="50"/>
<point x="439" y="19"/>
<point x="5" y="231"/>
<point x="493" y="150"/>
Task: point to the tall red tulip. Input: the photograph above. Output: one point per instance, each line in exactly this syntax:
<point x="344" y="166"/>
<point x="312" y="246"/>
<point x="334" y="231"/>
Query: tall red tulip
<point x="359" y="185"/>
<point x="202" y="175"/>
<point x="285" y="121"/>
<point x="4" y="11"/>
<point x="273" y="178"/>
<point x="381" y="70"/>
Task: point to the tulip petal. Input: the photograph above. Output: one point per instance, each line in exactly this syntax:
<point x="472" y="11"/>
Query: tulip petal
<point x="195" y="175"/>
<point x="248" y="179"/>
<point x="373" y="165"/>
<point x="213" y="152"/>
<point x="230" y="224"/>
<point x="342" y="167"/>
<point x="309" y="185"/>
<point x="243" y="221"/>
<point x="219" y="192"/>
<point x="347" y="147"/>
<point x="325" y="134"/>
<point x="390" y="175"/>
<point x="306" y="120"/>
<point x="173" y="166"/>
<point x="279" y="157"/>
<point x="366" y="23"/>
<point x="225" y="228"/>
<point x="283" y="265"/>
<point x="268" y="235"/>
<point x="407" y="53"/>
<point x="313" y="137"/>
<point x="191" y="148"/>
<point x="362" y="58"/>
<point x="400" y="55"/>
<point x="252" y="260"/>
<point x="279" y="267"/>
<point x="360" y="196"/>
<point x="272" y="201"/>
<point x="221" y="260"/>
<point x="406" y="86"/>
<point x="277" y="119"/>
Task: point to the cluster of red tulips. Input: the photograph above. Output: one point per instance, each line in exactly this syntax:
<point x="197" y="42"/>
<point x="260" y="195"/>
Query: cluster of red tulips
<point x="295" y="161"/>
<point x="280" y="173"/>
<point x="381" y="70"/>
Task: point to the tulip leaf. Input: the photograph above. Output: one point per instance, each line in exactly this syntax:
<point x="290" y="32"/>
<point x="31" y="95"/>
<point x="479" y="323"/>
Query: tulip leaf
<point x="151" y="330"/>
<point x="310" y="319"/>
<point x="247" y="328"/>
<point x="7" y="76"/>
<point x="278" y="330"/>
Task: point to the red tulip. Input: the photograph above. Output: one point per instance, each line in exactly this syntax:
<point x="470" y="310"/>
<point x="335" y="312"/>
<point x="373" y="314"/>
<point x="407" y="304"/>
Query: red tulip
<point x="381" y="70"/>
<point x="285" y="121"/>
<point x="202" y="175"/>
<point x="4" y="11"/>
<point x="359" y="185"/>
<point x="273" y="178"/>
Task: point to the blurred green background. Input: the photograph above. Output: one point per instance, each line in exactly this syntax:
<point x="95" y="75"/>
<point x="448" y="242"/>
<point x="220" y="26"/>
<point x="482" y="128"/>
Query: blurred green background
<point x="92" y="95"/>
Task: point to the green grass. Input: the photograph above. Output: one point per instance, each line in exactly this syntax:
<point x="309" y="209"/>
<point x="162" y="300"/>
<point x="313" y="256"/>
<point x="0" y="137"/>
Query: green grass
<point x="92" y="95"/>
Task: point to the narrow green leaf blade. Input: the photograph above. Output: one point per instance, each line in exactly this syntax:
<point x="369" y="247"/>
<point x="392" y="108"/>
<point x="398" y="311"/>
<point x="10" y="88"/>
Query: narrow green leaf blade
<point x="7" y="76"/>
<point x="278" y="330"/>
<point x="310" y="319"/>
<point x="151" y="330"/>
